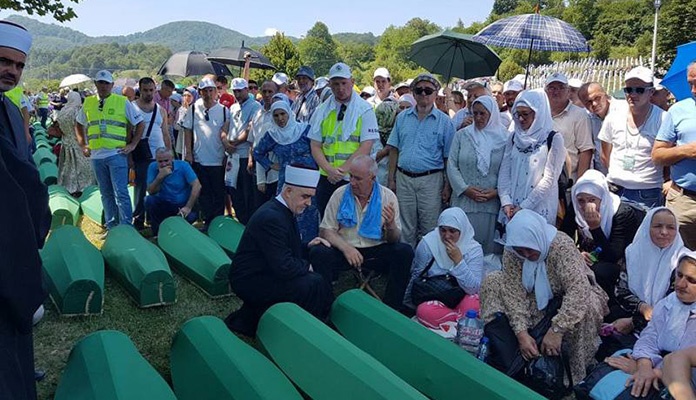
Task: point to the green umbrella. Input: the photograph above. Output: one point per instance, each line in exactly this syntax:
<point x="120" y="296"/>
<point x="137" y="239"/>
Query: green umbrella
<point x="453" y="54"/>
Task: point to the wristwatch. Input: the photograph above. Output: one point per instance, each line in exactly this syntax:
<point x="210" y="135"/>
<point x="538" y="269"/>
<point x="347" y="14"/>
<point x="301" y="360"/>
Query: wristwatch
<point x="556" y="329"/>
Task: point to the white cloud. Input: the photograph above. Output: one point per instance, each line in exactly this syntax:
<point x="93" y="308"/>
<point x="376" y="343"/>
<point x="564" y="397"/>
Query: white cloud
<point x="270" y="31"/>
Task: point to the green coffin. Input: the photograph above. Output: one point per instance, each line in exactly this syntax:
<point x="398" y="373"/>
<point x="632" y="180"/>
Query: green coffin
<point x="323" y="364"/>
<point x="195" y="256"/>
<point x="209" y="362"/>
<point x="226" y="232"/>
<point x="139" y="266"/>
<point x="91" y="204"/>
<point x="48" y="172"/>
<point x="44" y="155"/>
<point x="436" y="367"/>
<point x="65" y="209"/>
<point x="73" y="272"/>
<point x="105" y="365"/>
<point x="43" y="145"/>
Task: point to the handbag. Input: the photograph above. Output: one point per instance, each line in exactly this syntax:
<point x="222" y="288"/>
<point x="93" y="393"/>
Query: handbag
<point x="142" y="150"/>
<point x="444" y="288"/>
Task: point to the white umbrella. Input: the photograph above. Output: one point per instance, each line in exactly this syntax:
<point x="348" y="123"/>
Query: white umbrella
<point x="74" y="79"/>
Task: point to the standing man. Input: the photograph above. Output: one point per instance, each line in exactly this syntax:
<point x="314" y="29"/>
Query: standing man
<point x="511" y="89"/>
<point x="627" y="140"/>
<point x="675" y="146"/>
<point x="342" y="128"/>
<point x="156" y="135"/>
<point x="104" y="119"/>
<point x="42" y="101"/>
<point x="268" y="266"/>
<point x="241" y="114"/>
<point x="308" y="100"/>
<point x="23" y="228"/>
<point x="420" y="143"/>
<point x="572" y="122"/>
<point x="205" y="139"/>
<point x="381" y="79"/>
<point x="598" y="105"/>
<point x="266" y="181"/>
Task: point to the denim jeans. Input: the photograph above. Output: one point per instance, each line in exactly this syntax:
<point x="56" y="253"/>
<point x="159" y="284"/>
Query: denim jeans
<point x="112" y="177"/>
<point x="646" y="198"/>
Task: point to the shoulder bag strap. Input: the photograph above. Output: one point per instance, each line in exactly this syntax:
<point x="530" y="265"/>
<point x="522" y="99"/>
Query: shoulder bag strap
<point x="427" y="268"/>
<point x="152" y="122"/>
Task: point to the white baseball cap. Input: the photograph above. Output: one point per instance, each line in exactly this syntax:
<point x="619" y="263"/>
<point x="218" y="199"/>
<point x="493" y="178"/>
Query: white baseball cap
<point x="369" y="90"/>
<point x="321" y="83"/>
<point x="340" y="70"/>
<point x="513" y="86"/>
<point x="556" y="77"/>
<point x="574" y="83"/>
<point x="280" y="78"/>
<point x="642" y="73"/>
<point x="105" y="76"/>
<point x="239" y="84"/>
<point x="206" y="83"/>
<point x="383" y="72"/>
<point x="657" y="83"/>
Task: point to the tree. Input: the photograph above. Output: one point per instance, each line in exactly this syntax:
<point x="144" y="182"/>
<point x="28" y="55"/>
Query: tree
<point x="501" y="7"/>
<point x="318" y="49"/>
<point x="356" y="55"/>
<point x="676" y="21"/>
<point x="508" y="69"/>
<point x="56" y="8"/>
<point x="601" y="47"/>
<point x="282" y="53"/>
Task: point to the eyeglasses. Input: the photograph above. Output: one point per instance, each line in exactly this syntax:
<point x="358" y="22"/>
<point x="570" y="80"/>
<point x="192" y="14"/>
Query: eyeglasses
<point x="207" y="116"/>
<point x="523" y="115"/>
<point x="638" y="90"/>
<point x="420" y="91"/>
<point x="101" y="104"/>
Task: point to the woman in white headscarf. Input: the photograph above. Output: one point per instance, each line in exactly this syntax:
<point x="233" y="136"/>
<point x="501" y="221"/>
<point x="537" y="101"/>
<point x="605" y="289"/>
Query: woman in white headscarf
<point x="74" y="169"/>
<point x="472" y="168"/>
<point x="540" y="263"/>
<point x="287" y="140"/>
<point x="604" y="222"/>
<point x="449" y="249"/>
<point x="531" y="165"/>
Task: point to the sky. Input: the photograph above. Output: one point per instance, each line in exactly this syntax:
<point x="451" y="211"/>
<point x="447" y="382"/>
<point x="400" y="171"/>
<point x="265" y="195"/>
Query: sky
<point x="122" y="17"/>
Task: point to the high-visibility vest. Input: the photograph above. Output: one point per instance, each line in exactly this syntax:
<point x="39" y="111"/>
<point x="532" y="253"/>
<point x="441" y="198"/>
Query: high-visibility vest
<point x="335" y="150"/>
<point x="15" y="96"/>
<point x="106" y="128"/>
<point x="42" y="100"/>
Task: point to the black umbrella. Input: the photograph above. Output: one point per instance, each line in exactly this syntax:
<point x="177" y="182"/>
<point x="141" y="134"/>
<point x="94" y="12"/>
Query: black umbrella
<point x="188" y="63"/>
<point x="235" y="56"/>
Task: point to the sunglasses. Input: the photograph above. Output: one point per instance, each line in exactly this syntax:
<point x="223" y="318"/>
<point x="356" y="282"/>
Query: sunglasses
<point x="420" y="91"/>
<point x="207" y="116"/>
<point x="638" y="90"/>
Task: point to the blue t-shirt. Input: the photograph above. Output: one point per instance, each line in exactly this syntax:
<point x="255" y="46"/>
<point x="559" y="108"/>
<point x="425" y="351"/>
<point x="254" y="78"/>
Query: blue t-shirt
<point x="175" y="188"/>
<point x="679" y="128"/>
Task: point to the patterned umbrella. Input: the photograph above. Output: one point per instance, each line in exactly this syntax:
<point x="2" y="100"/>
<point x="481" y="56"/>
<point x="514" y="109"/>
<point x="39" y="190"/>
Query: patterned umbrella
<point x="533" y="32"/>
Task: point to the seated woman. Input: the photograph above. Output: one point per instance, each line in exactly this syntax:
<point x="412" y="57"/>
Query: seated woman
<point x="540" y="263"/>
<point x="672" y="328"/>
<point x="472" y="168"/>
<point x="449" y="249"/>
<point x="604" y="222"/>
<point x="533" y="160"/>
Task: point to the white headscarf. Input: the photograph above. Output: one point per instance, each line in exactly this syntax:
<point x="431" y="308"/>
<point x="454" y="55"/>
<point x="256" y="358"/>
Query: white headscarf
<point x="355" y="109"/>
<point x="74" y="100"/>
<point x="649" y="267"/>
<point x="595" y="183"/>
<point x="292" y="131"/>
<point x="491" y="137"/>
<point x="408" y="98"/>
<point x="678" y="314"/>
<point x="453" y="217"/>
<point x="529" y="229"/>
<point x="541" y="126"/>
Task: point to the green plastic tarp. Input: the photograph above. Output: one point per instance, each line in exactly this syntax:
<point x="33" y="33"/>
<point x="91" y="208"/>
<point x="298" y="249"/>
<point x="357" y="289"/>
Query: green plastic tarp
<point x="226" y="232"/>
<point x="48" y="173"/>
<point x="195" y="256"/>
<point x="91" y="204"/>
<point x="139" y="266"/>
<point x="73" y="272"/>
<point x="65" y="209"/>
<point x="105" y="365"/>
<point x="433" y="365"/>
<point x="323" y="364"/>
<point x="44" y="155"/>
<point x="209" y="362"/>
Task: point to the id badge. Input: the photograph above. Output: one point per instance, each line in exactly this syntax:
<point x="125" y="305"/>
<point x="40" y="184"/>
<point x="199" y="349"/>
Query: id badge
<point x="102" y="127"/>
<point x="629" y="161"/>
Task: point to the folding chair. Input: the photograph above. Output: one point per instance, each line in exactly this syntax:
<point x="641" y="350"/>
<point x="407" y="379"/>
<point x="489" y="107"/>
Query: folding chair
<point x="364" y="281"/>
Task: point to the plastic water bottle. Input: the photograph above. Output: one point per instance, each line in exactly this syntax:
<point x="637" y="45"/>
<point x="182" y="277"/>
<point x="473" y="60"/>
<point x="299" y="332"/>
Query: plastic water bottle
<point x="483" y="349"/>
<point x="594" y="255"/>
<point x="469" y="332"/>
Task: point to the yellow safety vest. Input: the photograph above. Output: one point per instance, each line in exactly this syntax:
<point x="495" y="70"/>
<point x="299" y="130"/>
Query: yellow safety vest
<point x="15" y="96"/>
<point x="106" y="128"/>
<point x="335" y="150"/>
<point x="42" y="101"/>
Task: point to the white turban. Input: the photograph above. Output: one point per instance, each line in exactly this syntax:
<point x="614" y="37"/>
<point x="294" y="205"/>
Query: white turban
<point x="15" y="37"/>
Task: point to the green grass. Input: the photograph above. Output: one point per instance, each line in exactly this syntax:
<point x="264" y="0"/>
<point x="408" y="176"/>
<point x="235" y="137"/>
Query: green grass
<point x="151" y="329"/>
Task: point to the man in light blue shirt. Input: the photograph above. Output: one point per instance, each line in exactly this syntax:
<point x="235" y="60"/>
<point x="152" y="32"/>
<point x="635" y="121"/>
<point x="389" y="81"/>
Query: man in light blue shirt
<point x="419" y="147"/>
<point x="675" y="146"/>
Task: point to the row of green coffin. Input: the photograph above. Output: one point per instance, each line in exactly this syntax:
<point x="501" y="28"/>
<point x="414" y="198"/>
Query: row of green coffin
<point x="74" y="268"/>
<point x="381" y="355"/>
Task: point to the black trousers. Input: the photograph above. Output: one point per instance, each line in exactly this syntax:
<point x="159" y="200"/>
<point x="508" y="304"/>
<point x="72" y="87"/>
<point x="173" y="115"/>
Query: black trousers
<point x="212" y="197"/>
<point x="243" y="200"/>
<point x="324" y="191"/>
<point x="140" y="191"/>
<point x="607" y="275"/>
<point x="391" y="258"/>
<point x="260" y="198"/>
<point x="16" y="362"/>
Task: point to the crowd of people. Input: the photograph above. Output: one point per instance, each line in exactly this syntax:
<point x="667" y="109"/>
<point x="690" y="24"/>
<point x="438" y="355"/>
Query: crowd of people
<point x="519" y="198"/>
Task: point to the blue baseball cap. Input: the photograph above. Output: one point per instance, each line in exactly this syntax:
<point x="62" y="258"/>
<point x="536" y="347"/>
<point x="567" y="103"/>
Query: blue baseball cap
<point x="305" y="71"/>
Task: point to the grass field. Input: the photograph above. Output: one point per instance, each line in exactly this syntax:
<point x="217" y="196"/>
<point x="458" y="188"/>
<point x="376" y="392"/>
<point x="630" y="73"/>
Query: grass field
<point x="151" y="329"/>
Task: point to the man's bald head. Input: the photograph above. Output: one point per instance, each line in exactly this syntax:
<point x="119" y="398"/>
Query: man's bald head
<point x="594" y="98"/>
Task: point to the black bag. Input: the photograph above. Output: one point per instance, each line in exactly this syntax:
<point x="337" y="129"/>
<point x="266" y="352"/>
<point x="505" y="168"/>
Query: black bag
<point x="444" y="288"/>
<point x="545" y="375"/>
<point x="142" y="151"/>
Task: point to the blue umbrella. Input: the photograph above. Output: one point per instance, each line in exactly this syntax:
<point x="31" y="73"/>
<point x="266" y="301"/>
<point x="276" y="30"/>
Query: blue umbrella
<point x="675" y="80"/>
<point x="533" y="32"/>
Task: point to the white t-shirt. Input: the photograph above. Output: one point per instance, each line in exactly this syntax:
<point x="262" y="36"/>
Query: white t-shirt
<point x="207" y="145"/>
<point x="630" y="162"/>
<point x="132" y="115"/>
<point x="156" y="135"/>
